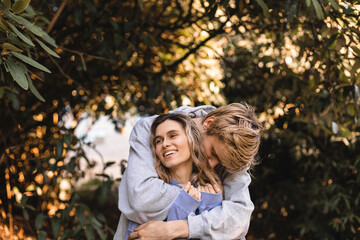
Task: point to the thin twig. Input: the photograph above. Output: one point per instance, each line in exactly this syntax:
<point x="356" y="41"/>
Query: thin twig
<point x="57" y="15"/>
<point x="88" y="55"/>
<point x="64" y="74"/>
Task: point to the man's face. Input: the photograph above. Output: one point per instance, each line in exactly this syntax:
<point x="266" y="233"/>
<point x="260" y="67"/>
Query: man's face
<point x="213" y="148"/>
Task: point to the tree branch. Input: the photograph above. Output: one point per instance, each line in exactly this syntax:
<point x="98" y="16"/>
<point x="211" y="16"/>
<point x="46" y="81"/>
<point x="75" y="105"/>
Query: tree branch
<point x="57" y="15"/>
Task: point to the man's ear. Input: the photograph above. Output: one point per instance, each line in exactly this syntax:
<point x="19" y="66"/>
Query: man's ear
<point x="208" y="122"/>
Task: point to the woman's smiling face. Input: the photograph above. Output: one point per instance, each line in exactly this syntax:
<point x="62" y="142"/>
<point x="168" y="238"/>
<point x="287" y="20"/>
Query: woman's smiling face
<point x="172" y="145"/>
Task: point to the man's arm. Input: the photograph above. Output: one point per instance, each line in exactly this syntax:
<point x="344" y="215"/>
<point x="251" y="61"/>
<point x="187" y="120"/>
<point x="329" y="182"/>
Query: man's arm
<point x="231" y="220"/>
<point x="142" y="195"/>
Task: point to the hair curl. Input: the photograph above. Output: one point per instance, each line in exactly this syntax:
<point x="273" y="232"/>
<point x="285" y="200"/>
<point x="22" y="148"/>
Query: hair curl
<point x="236" y="126"/>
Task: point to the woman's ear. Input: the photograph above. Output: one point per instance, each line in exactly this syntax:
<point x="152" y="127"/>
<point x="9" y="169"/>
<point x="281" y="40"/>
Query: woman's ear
<point x="208" y="122"/>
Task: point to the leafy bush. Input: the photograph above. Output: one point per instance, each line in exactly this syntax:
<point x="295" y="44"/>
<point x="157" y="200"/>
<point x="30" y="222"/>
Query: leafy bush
<point x="297" y="62"/>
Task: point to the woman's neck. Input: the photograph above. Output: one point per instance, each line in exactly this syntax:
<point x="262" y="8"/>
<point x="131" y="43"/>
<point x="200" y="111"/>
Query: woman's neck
<point x="182" y="174"/>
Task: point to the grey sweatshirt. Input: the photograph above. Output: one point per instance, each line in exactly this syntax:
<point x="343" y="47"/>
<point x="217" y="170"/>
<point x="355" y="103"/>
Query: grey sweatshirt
<point x="144" y="197"/>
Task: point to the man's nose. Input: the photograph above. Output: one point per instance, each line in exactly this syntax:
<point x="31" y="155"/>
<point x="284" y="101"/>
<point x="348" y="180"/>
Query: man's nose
<point x="213" y="162"/>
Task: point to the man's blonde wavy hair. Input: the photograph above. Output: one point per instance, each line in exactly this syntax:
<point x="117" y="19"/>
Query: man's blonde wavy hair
<point x="238" y="128"/>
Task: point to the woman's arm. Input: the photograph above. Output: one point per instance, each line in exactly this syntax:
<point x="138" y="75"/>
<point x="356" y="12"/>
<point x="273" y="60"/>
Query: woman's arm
<point x="142" y="195"/>
<point x="183" y="205"/>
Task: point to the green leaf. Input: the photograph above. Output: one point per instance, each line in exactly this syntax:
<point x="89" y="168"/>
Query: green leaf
<point x="14" y="99"/>
<point x="59" y="149"/>
<point x="47" y="49"/>
<point x="104" y="192"/>
<point x="26" y="214"/>
<point x="123" y="167"/>
<point x="56" y="226"/>
<point x="356" y="50"/>
<point x="334" y="5"/>
<point x="49" y="40"/>
<point x="30" y="26"/>
<point x="41" y="235"/>
<point x="34" y="90"/>
<point x="7" y="3"/>
<point x="67" y="139"/>
<point x="39" y="221"/>
<point x="318" y="9"/>
<point x="95" y="222"/>
<point x="108" y="164"/>
<point x="308" y="3"/>
<point x="89" y="232"/>
<point x="3" y="25"/>
<point x="30" y="10"/>
<point x="29" y="207"/>
<point x="17" y="74"/>
<point x="67" y="234"/>
<point x="141" y="4"/>
<point x="9" y="46"/>
<point x="20" y="5"/>
<point x="101" y="217"/>
<point x="1" y="92"/>
<point x="101" y="233"/>
<point x="21" y="36"/>
<point x="81" y="216"/>
<point x="30" y="61"/>
<point x="264" y="7"/>
<point x="24" y="199"/>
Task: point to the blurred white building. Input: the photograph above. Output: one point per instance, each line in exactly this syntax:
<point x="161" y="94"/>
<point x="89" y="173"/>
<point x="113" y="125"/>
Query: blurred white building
<point x="109" y="145"/>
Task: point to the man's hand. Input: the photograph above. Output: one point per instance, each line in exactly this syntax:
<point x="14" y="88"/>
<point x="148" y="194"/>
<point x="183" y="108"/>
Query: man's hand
<point x="159" y="230"/>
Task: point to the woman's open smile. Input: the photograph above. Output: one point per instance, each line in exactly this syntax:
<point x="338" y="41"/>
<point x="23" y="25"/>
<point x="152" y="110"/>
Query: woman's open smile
<point x="171" y="145"/>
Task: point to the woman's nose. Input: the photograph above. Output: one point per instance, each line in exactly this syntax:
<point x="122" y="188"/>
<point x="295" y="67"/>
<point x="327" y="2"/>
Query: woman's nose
<point x="166" y="143"/>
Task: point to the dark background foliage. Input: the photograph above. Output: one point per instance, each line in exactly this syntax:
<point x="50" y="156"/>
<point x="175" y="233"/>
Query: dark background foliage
<point x="296" y="62"/>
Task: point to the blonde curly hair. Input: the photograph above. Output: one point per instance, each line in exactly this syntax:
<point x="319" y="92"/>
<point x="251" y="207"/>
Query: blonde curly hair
<point x="237" y="127"/>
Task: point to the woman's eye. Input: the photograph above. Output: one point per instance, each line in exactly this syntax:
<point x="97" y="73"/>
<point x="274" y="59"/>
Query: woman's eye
<point x="157" y="141"/>
<point x="173" y="135"/>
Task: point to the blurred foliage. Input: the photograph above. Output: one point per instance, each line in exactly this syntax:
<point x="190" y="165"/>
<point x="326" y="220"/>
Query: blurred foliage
<point x="296" y="62"/>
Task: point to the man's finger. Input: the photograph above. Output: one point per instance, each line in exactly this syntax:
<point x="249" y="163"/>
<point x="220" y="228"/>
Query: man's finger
<point x="133" y="235"/>
<point x="139" y="227"/>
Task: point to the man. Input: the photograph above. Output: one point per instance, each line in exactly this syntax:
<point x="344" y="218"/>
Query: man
<point x="231" y="138"/>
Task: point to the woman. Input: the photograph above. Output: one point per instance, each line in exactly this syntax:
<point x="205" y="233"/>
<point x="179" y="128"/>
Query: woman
<point x="175" y="142"/>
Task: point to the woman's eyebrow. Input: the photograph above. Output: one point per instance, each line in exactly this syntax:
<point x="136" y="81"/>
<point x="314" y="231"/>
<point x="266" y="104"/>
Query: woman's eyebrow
<point x="172" y="131"/>
<point x="169" y="132"/>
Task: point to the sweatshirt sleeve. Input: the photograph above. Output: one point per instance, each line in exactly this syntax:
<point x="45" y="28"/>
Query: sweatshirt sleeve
<point x="231" y="219"/>
<point x="183" y="205"/>
<point x="142" y="195"/>
<point x="209" y="201"/>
